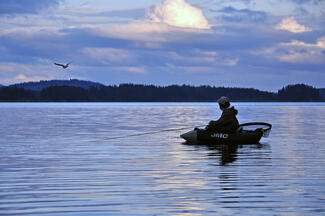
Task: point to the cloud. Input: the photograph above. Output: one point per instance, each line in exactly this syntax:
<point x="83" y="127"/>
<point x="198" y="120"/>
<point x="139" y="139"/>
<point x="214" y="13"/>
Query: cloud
<point x="201" y="58"/>
<point x="11" y="72"/>
<point x="135" y="69"/>
<point x="25" y="6"/>
<point x="279" y="1"/>
<point x="298" y="52"/>
<point x="321" y="42"/>
<point x="147" y="31"/>
<point x="242" y="15"/>
<point x="137" y="13"/>
<point x="180" y="14"/>
<point x="170" y="20"/>
<point x="110" y="55"/>
<point x="316" y="2"/>
<point x="291" y="25"/>
<point x="130" y="45"/>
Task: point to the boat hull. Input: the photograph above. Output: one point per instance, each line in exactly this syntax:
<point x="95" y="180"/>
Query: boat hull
<point x="198" y="136"/>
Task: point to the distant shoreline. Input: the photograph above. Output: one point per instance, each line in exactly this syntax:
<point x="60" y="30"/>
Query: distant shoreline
<point x="157" y="102"/>
<point x="87" y="91"/>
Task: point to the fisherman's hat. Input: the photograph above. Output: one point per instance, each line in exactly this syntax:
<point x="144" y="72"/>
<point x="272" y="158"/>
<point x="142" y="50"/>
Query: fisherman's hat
<point x="223" y="101"/>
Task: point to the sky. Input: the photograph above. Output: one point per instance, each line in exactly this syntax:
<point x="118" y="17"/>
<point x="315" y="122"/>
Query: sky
<point x="263" y="44"/>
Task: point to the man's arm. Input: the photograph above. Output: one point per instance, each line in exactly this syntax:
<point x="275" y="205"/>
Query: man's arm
<point x="222" y="121"/>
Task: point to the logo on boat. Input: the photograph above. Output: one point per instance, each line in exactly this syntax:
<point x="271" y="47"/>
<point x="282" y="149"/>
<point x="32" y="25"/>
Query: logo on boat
<point x="220" y="135"/>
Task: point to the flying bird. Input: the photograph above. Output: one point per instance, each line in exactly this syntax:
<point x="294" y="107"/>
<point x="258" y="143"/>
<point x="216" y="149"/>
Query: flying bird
<point x="62" y="65"/>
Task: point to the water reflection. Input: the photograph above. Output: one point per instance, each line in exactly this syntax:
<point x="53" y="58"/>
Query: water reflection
<point x="225" y="153"/>
<point x="56" y="159"/>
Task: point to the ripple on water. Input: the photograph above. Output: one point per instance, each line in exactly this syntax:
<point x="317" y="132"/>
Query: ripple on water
<point x="57" y="159"/>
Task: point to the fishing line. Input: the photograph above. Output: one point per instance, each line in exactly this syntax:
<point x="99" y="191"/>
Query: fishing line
<point x="266" y="131"/>
<point x="152" y="132"/>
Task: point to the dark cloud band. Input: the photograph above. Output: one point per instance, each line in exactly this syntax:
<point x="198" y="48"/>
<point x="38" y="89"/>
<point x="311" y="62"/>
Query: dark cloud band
<point x="25" y="6"/>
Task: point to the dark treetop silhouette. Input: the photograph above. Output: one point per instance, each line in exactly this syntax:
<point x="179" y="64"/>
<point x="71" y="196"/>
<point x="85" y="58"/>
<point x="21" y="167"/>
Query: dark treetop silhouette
<point x="86" y="91"/>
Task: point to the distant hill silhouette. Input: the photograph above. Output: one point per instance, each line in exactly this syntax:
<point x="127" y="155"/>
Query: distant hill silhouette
<point x="86" y="91"/>
<point x="175" y="93"/>
<point x="64" y="93"/>
<point x="298" y="92"/>
<point x="1" y="85"/>
<point x="322" y="93"/>
<point x="14" y="94"/>
<point x="39" y="86"/>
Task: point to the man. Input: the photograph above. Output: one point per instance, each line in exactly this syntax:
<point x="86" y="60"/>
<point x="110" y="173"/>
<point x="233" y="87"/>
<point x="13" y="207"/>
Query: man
<point x="228" y="122"/>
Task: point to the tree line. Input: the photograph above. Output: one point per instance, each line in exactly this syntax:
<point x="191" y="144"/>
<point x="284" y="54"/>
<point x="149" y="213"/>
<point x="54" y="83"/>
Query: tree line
<point x="151" y="93"/>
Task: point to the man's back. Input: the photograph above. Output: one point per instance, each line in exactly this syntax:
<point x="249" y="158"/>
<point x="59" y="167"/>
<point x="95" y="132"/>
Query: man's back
<point x="227" y="123"/>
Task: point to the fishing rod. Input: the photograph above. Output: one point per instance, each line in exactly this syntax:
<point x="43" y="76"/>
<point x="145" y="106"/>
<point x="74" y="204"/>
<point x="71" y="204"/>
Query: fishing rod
<point x="153" y="132"/>
<point x="265" y="131"/>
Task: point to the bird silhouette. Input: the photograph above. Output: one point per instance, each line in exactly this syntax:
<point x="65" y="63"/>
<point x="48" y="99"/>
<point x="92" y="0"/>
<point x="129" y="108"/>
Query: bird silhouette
<point x="62" y="65"/>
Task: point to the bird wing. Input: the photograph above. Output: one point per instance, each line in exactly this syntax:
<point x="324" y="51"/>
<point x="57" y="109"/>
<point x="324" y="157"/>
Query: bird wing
<point x="59" y="64"/>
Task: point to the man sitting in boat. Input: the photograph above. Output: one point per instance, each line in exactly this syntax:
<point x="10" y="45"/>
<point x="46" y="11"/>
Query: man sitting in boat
<point x="228" y="122"/>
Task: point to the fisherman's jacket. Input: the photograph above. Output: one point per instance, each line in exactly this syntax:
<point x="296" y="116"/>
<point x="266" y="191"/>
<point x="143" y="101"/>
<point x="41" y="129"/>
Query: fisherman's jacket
<point x="227" y="123"/>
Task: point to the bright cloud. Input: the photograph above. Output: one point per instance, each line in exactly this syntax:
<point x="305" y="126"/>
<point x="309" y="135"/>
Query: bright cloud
<point x="291" y="25"/>
<point x="179" y="13"/>
<point x="146" y="31"/>
<point x="321" y="42"/>
<point x="168" y="21"/>
<point x="298" y="52"/>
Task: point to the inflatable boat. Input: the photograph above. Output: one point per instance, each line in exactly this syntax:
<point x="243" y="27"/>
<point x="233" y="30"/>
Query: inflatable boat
<point x="248" y="133"/>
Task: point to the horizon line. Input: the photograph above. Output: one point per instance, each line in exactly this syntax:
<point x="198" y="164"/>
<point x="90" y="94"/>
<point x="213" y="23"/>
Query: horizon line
<point x="168" y="85"/>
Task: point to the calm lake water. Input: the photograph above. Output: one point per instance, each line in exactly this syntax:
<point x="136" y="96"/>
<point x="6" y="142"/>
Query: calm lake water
<point x="58" y="159"/>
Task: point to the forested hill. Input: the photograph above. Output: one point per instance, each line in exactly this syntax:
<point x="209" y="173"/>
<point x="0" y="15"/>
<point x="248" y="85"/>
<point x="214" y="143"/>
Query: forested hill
<point x="95" y="92"/>
<point x="322" y="93"/>
<point x="39" y="86"/>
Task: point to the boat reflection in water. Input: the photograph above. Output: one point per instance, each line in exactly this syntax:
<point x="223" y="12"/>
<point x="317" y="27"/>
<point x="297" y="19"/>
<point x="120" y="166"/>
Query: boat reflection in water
<point x="227" y="153"/>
